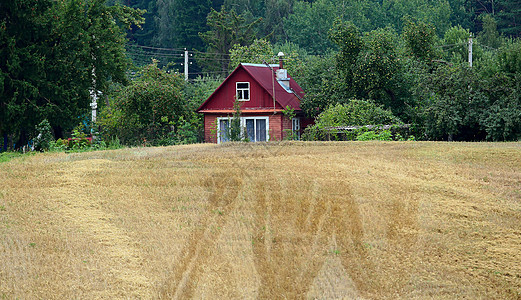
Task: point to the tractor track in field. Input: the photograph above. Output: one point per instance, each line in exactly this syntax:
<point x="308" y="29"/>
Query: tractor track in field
<point x="223" y="192"/>
<point x="295" y="237"/>
<point x="122" y="259"/>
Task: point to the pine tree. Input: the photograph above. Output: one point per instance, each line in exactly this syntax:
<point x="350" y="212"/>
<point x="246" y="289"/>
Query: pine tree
<point x="227" y="28"/>
<point x="56" y="52"/>
<point x="509" y="17"/>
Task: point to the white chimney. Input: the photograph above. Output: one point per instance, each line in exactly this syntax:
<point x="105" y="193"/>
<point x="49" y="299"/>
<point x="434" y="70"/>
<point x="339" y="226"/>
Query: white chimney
<point x="281" y="56"/>
<point x="282" y="74"/>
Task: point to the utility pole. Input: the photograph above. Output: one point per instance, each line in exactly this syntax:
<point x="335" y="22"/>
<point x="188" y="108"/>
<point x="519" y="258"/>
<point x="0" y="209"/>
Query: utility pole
<point x="94" y="96"/>
<point x="93" y="104"/>
<point x="470" y="51"/>
<point x="186" y="65"/>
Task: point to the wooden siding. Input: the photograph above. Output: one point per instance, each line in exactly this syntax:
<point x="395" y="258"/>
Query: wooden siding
<point x="286" y="126"/>
<point x="225" y="96"/>
<point x="275" y="127"/>
<point x="210" y="126"/>
<point x="277" y="124"/>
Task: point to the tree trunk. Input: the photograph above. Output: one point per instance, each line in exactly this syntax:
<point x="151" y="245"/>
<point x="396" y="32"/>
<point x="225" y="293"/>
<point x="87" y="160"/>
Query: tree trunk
<point x="22" y="140"/>
<point x="6" y="140"/>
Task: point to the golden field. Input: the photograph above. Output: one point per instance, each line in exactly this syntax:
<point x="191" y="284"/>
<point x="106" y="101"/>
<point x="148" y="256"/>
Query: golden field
<point x="338" y="220"/>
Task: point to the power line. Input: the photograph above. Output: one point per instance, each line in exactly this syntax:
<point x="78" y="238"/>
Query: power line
<point x="156" y="48"/>
<point x="156" y="55"/>
<point x="210" y="53"/>
<point x="451" y="45"/>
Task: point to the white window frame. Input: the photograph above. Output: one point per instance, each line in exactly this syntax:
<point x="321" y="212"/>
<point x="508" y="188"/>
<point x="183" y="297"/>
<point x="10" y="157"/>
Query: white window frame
<point x="237" y="90"/>
<point x="295" y="127"/>
<point x="219" y="127"/>
<point x="243" y="126"/>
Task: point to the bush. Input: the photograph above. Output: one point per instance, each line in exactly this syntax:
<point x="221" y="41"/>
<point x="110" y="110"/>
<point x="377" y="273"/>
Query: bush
<point x="384" y="135"/>
<point x="44" y="137"/>
<point x="59" y="145"/>
<point x="147" y="110"/>
<point x="354" y="113"/>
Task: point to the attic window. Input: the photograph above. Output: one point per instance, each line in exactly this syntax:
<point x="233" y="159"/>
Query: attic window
<point x="243" y="91"/>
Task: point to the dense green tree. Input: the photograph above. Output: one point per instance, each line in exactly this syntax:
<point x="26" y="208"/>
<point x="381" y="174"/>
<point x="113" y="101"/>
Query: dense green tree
<point x="370" y="66"/>
<point x="456" y="42"/>
<point x="462" y="13"/>
<point x="179" y="23"/>
<point x="311" y="21"/>
<point x="509" y="17"/>
<point x="195" y="92"/>
<point x="508" y="58"/>
<point x="226" y="29"/>
<point x="314" y="19"/>
<point x="273" y="19"/>
<point x="420" y="39"/>
<point x="148" y="109"/>
<point x="272" y="12"/>
<point x="144" y="34"/>
<point x="378" y="70"/>
<point x="23" y="32"/>
<point x="366" y="14"/>
<point x="56" y="51"/>
<point x="501" y="82"/>
<point x="366" y="67"/>
<point x="433" y="12"/>
<point x="321" y="82"/>
<point x="354" y="112"/>
<point x="453" y="104"/>
<point x="489" y="36"/>
<point x="502" y="118"/>
<point x="260" y="51"/>
<point x="255" y="7"/>
<point x="348" y="38"/>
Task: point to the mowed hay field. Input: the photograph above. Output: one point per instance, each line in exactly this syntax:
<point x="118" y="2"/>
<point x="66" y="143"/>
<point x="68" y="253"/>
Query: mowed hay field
<point x="343" y="220"/>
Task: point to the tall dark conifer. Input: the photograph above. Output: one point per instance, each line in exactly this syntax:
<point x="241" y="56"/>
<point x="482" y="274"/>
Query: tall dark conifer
<point x="509" y="17"/>
<point x="179" y="23"/>
<point x="55" y="52"/>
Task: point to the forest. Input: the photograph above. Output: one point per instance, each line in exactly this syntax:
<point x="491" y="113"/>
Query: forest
<point x="448" y="68"/>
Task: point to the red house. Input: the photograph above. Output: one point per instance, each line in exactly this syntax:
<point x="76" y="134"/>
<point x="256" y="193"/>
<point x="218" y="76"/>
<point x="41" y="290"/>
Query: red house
<point x="264" y="91"/>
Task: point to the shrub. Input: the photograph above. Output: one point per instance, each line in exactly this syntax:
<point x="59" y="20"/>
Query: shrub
<point x="44" y="137"/>
<point x="354" y="113"/>
<point x="384" y="135"/>
<point x="146" y="110"/>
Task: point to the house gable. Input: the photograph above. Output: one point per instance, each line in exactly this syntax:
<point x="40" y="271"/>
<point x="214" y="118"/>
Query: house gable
<point x="262" y="87"/>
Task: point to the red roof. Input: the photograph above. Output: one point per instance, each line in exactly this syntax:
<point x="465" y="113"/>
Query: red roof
<point x="264" y="76"/>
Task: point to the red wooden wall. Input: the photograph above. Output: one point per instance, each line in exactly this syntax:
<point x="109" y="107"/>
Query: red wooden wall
<point x="277" y="124"/>
<point x="224" y="97"/>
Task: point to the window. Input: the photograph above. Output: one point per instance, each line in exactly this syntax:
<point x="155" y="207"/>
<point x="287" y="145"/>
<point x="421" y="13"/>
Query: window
<point x="254" y="129"/>
<point x="243" y="91"/>
<point x="223" y="132"/>
<point x="295" y="127"/>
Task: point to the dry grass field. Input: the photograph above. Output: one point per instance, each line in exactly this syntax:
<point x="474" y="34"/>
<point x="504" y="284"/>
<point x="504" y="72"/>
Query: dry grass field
<point x="343" y="220"/>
